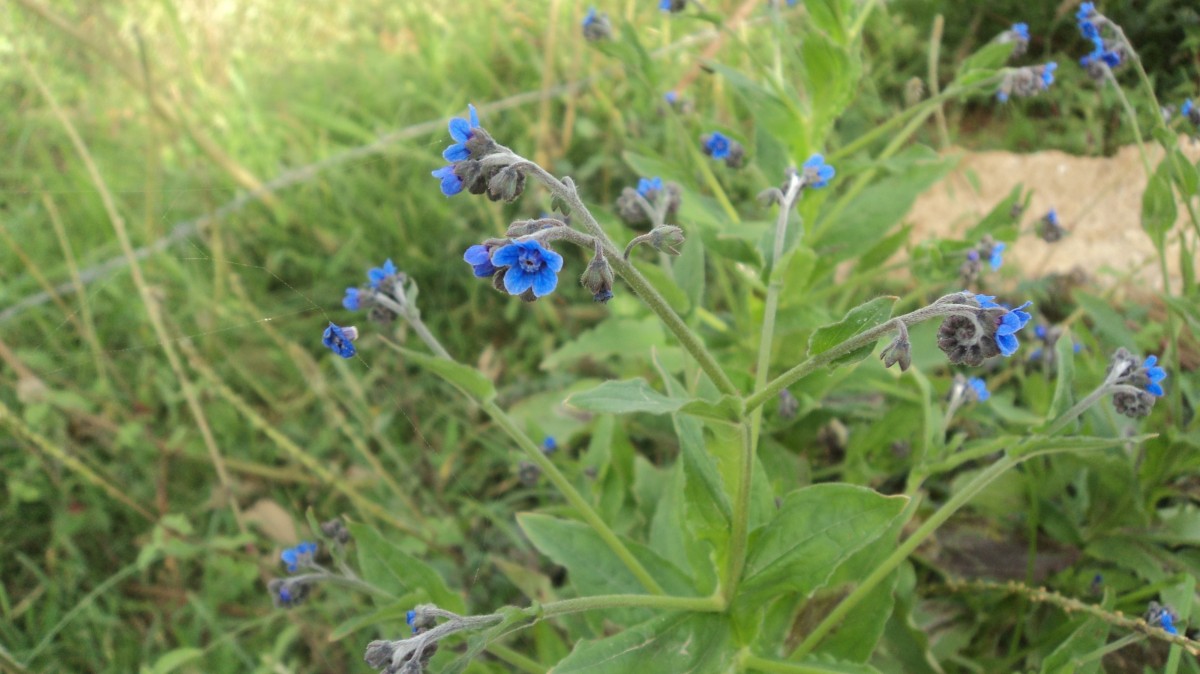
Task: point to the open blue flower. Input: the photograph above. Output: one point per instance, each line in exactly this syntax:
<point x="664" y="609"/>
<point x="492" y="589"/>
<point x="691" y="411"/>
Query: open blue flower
<point x="530" y="265"/>
<point x="979" y="389"/>
<point x="301" y="555"/>
<point x="376" y="275"/>
<point x="1008" y="326"/>
<point x="351" y="301"/>
<point x="451" y="183"/>
<point x="461" y="131"/>
<point x="1021" y="30"/>
<point x="816" y="172"/>
<point x="648" y="185"/>
<point x="1187" y="109"/>
<point x="717" y="145"/>
<point x="549" y="445"/>
<point x="987" y="302"/>
<point x="479" y="257"/>
<point x="1155" y="374"/>
<point x="340" y="340"/>
<point x="997" y="257"/>
<point x="1086" y="11"/>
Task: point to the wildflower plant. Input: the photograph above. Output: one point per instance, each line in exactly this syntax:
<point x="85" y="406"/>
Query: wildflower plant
<point x="725" y="556"/>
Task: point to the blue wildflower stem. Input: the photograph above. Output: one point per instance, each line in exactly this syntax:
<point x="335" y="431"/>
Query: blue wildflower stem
<point x="565" y="190"/>
<point x="869" y="336"/>
<point x="752" y="426"/>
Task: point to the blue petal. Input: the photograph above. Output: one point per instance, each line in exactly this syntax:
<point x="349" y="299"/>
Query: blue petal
<point x="460" y="129"/>
<point x="552" y="259"/>
<point x="1155" y="389"/>
<point x="544" y="282"/>
<point x="474" y="116"/>
<point x="516" y="281"/>
<point x="1007" y="343"/>
<point x="1151" y="361"/>
<point x="814" y="161"/>
<point x="506" y="256"/>
<point x="477" y="254"/>
<point x="351" y="301"/>
<point x="456" y="152"/>
<point x="826" y="173"/>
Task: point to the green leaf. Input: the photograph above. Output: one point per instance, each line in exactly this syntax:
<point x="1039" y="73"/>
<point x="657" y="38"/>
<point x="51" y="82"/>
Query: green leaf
<point x="816" y="529"/>
<point x="858" y="319"/>
<point x="1108" y="322"/>
<point x="593" y="568"/>
<point x="675" y="642"/>
<point x="467" y="379"/>
<point x="831" y="77"/>
<point x="988" y="58"/>
<point x="612" y="337"/>
<point x="1064" y="387"/>
<point x="625" y="397"/>
<point x="174" y="659"/>
<point x="1091" y="635"/>
<point x="398" y="573"/>
<point x="666" y="286"/>
<point x="728" y="409"/>
<point x="688" y="271"/>
<point x="1158" y="204"/>
<point x="856" y="638"/>
<point x="884" y="249"/>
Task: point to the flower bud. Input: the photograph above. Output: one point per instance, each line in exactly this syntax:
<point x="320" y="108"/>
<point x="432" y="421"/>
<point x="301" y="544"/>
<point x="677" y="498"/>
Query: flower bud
<point x="506" y="185"/>
<point x="666" y="238"/>
<point x="598" y="277"/>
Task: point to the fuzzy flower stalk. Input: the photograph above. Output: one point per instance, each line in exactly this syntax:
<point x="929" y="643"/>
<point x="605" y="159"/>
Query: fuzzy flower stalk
<point x="412" y="655"/>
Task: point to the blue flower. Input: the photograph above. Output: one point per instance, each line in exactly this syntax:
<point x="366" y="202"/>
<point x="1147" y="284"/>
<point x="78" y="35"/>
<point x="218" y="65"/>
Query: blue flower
<point x="648" y="185"/>
<point x="480" y="258"/>
<point x="1155" y="374"/>
<point x="301" y="555"/>
<point x="590" y="18"/>
<point x="1048" y="74"/>
<point x="1086" y="11"/>
<point x="979" y="389"/>
<point x="997" y="257"/>
<point x="1021" y="30"/>
<point x="670" y="97"/>
<point x="376" y="275"/>
<point x="1052" y="217"/>
<point x="340" y="340"/>
<point x="451" y="183"/>
<point x="530" y="266"/>
<point x="461" y="131"/>
<point x="1007" y="327"/>
<point x="1187" y="110"/>
<point x="351" y="300"/>
<point x="816" y="172"/>
<point x="987" y="302"/>
<point x="549" y="445"/>
<point x="1168" y="624"/>
<point x="1002" y="96"/>
<point x="411" y="619"/>
<point x="716" y="145"/>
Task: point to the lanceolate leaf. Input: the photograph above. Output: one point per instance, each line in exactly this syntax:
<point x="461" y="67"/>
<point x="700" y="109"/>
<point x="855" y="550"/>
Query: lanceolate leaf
<point x="389" y="568"/>
<point x="860" y="318"/>
<point x="623" y="397"/>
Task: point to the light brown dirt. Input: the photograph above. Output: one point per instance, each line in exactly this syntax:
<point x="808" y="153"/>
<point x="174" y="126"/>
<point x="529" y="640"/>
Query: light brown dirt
<point x="1099" y="201"/>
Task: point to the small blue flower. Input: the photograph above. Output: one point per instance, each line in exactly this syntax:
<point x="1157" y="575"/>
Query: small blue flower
<point x="411" y="619"/>
<point x="1007" y="327"/>
<point x="1052" y="217"/>
<point x="301" y="555"/>
<point x="451" y="183"/>
<point x="670" y="97"/>
<point x="979" y="389"/>
<point x="816" y="172"/>
<point x="987" y="302"/>
<point x="340" y="340"/>
<point x="549" y="445"/>
<point x="461" y="131"/>
<point x="1187" y="109"/>
<point x="1021" y="30"/>
<point x="480" y="258"/>
<point x="590" y="18"/>
<point x="1040" y="331"/>
<point x="1168" y="624"/>
<point x="1048" y="74"/>
<point x="1155" y="374"/>
<point x="1086" y="11"/>
<point x="530" y="265"/>
<point x="717" y="145"/>
<point x="376" y="275"/>
<point x="351" y="300"/>
<point x="997" y="257"/>
<point x="648" y="185"/>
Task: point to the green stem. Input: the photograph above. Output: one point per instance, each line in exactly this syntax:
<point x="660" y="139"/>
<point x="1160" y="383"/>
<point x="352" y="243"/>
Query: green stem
<point x="778" y="667"/>
<point x="858" y="341"/>
<point x="640" y="284"/>
<point x="515" y="659"/>
<point x="714" y="604"/>
<point x="573" y="497"/>
<point x="739" y="534"/>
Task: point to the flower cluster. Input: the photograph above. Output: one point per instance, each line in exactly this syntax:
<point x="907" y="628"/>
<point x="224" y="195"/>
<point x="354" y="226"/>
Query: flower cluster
<point x="412" y="655"/>
<point x="1107" y="53"/>
<point x="642" y="205"/>
<point x="1158" y="615"/>
<point x="1050" y="229"/>
<point x="1137" y="385"/>
<point x="469" y="167"/>
<point x="1048" y="336"/>
<point x="1027" y="81"/>
<point x="988" y="330"/>
<point x="301" y="555"/>
<point x="1018" y="35"/>
<point x="816" y="173"/>
<point x="988" y="249"/>
<point x="289" y="592"/>
<point x="596" y="26"/>
<point x="384" y="295"/>
<point x="719" y="146"/>
<point x="519" y="267"/>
